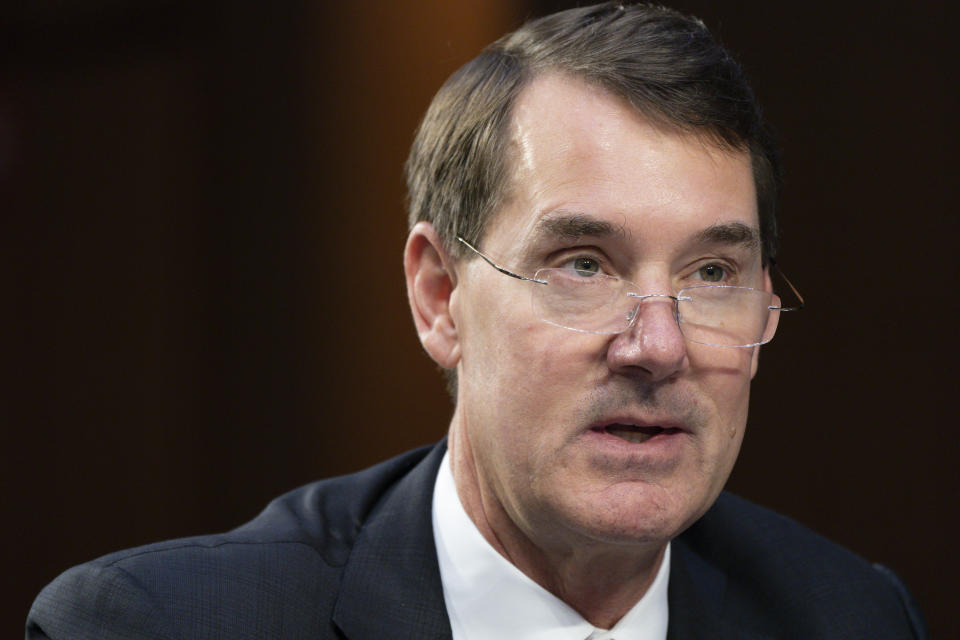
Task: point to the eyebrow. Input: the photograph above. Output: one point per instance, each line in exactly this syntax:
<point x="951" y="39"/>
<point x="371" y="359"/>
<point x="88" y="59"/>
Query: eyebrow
<point x="571" y="226"/>
<point x="731" y="233"/>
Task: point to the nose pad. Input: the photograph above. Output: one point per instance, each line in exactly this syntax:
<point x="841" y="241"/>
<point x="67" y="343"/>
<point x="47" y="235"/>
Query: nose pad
<point x="654" y="314"/>
<point x="650" y="300"/>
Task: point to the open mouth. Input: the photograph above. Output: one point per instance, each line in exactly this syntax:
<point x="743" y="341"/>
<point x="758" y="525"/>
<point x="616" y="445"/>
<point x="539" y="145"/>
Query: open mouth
<point x="637" y="435"/>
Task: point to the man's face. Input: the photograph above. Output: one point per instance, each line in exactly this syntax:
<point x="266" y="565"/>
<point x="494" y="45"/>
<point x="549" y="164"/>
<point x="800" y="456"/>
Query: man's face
<point x="558" y="422"/>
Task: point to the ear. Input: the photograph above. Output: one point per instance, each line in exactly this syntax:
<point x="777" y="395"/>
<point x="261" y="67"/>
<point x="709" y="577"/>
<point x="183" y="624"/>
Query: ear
<point x="767" y="286"/>
<point x="431" y="281"/>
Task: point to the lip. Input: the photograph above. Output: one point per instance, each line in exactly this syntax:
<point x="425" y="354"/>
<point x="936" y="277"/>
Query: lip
<point x="624" y="431"/>
<point x="644" y="423"/>
<point x="662" y="441"/>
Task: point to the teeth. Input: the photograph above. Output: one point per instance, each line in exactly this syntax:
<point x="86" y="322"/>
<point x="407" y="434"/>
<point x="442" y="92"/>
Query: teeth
<point x="630" y="434"/>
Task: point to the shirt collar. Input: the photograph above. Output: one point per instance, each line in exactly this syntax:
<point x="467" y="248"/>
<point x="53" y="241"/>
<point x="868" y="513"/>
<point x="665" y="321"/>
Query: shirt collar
<point x="488" y="598"/>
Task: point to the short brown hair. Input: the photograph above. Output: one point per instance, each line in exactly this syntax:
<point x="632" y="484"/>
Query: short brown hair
<point x="667" y="65"/>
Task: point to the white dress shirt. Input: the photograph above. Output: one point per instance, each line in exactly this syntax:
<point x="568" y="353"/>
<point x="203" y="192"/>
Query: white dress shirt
<point x="488" y="598"/>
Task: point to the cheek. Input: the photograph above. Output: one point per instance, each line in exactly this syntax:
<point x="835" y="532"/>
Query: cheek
<point x="532" y="371"/>
<point x="506" y="345"/>
<point x="723" y="376"/>
<point x="537" y="377"/>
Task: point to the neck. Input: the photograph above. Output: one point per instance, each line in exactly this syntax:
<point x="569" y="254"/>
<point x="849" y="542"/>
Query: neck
<point x="601" y="581"/>
<point x="601" y="585"/>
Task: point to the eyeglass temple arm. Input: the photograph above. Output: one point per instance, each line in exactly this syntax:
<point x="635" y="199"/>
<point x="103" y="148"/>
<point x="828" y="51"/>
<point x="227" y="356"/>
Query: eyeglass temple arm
<point x="792" y="288"/>
<point x="498" y="267"/>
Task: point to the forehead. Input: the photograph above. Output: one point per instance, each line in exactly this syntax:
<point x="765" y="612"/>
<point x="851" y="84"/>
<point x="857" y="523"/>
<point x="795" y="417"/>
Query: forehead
<point x="580" y="150"/>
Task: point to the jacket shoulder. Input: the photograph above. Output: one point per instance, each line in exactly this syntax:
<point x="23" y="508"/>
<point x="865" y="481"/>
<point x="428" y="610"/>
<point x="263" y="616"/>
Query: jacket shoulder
<point x="777" y="569"/>
<point x="327" y="515"/>
<point x="262" y="575"/>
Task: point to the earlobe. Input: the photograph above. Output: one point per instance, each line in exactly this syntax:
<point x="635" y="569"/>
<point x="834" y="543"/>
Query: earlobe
<point x="431" y="282"/>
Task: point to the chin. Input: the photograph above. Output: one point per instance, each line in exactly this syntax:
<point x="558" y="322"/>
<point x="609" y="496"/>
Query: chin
<point x="632" y="515"/>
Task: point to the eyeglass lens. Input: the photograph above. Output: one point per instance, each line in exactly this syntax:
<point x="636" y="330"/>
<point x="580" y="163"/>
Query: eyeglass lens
<point x="709" y="314"/>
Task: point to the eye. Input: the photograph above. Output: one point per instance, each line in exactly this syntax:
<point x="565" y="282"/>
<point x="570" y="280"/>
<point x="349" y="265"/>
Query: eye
<point x="712" y="273"/>
<point x="584" y="265"/>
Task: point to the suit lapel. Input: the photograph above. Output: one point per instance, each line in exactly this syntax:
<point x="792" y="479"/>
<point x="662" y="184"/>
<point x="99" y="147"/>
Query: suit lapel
<point x="696" y="599"/>
<point x="694" y="594"/>
<point x="391" y="583"/>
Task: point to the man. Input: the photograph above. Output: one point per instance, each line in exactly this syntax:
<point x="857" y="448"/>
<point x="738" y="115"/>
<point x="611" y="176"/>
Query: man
<point x="590" y="256"/>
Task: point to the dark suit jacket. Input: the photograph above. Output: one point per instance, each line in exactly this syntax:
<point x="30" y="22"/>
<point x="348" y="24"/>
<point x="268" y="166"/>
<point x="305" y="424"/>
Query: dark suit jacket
<point x="353" y="557"/>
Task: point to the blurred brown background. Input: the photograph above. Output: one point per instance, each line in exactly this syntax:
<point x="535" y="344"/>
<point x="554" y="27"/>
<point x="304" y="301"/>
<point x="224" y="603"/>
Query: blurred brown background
<point x="203" y="301"/>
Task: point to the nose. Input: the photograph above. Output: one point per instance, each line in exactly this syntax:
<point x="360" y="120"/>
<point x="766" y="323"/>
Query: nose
<point x="653" y="346"/>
